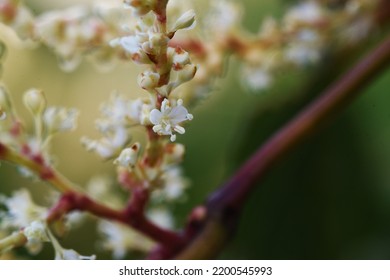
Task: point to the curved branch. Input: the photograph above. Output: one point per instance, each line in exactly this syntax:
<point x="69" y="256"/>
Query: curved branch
<point x="225" y="204"/>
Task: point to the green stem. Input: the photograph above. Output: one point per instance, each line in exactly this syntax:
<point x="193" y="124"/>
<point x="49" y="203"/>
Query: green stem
<point x="16" y="239"/>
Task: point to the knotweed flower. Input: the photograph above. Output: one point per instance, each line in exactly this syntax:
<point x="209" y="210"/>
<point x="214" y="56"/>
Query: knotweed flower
<point x="167" y="120"/>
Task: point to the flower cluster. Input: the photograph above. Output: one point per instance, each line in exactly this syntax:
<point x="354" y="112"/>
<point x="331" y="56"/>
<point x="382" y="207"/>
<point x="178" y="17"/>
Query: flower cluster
<point x="25" y="216"/>
<point x="153" y="168"/>
<point x="48" y="121"/>
<point x="148" y="163"/>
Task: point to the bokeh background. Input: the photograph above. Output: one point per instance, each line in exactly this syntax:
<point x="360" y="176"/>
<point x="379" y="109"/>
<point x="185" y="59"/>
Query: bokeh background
<point x="328" y="199"/>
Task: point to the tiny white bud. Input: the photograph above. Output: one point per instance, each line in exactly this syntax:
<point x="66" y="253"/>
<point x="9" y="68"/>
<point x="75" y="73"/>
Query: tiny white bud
<point x="148" y="80"/>
<point x="35" y="101"/>
<point x="128" y="157"/>
<point x="187" y="73"/>
<point x="180" y="59"/>
<point x="186" y="21"/>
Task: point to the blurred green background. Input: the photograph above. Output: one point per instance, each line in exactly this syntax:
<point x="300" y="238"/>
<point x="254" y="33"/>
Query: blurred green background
<point x="328" y="199"/>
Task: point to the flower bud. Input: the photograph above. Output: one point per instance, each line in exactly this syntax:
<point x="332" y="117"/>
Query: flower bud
<point x="128" y="157"/>
<point x="35" y="101"/>
<point x="148" y="80"/>
<point x="180" y="59"/>
<point x="187" y="73"/>
<point x="186" y="21"/>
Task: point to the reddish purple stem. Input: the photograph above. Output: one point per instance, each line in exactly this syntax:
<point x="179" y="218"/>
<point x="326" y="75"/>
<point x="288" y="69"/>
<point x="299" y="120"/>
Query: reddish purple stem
<point x="132" y="215"/>
<point x="336" y="97"/>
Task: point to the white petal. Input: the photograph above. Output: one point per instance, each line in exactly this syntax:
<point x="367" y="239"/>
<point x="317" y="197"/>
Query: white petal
<point x="165" y="106"/>
<point x="178" y="114"/>
<point x="155" y="116"/>
<point x="130" y="44"/>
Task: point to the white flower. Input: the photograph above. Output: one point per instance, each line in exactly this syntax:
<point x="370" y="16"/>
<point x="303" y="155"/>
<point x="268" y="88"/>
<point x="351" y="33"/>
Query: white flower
<point x="36" y="232"/>
<point x="166" y="121"/>
<point x="110" y="145"/>
<point x="60" y="119"/>
<point x="101" y="188"/>
<point x="21" y="209"/>
<point x="173" y="185"/>
<point x="225" y="16"/>
<point x="120" y="110"/>
<point x="128" y="43"/>
<point x="161" y="217"/>
<point x="119" y="239"/>
<point x="309" y="12"/>
<point x="305" y="49"/>
<point x="257" y="78"/>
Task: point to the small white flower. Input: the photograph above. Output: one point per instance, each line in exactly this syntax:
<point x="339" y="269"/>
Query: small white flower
<point x="36" y="232"/>
<point x="60" y="119"/>
<point x="166" y="121"/>
<point x="119" y="239"/>
<point x="309" y="12"/>
<point x="225" y="16"/>
<point x="305" y="48"/>
<point x="128" y="43"/>
<point x="22" y="210"/>
<point x="101" y="188"/>
<point x="161" y="217"/>
<point x="173" y="186"/>
<point x="257" y="78"/>
<point x="132" y="45"/>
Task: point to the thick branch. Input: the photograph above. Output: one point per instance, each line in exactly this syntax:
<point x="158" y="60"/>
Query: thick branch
<point x="227" y="201"/>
